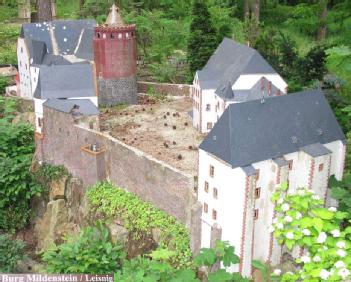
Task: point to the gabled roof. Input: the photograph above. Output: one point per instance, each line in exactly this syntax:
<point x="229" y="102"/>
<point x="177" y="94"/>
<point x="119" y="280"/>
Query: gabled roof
<point x="229" y="61"/>
<point x="65" y="81"/>
<point x="73" y="106"/>
<point x="66" y="35"/>
<point x="226" y="92"/>
<point x="253" y="131"/>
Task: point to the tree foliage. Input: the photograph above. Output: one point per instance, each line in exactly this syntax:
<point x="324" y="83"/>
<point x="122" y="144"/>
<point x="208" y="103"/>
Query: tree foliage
<point x="91" y="252"/>
<point x="203" y="37"/>
<point x="11" y="252"/>
<point x="17" y="185"/>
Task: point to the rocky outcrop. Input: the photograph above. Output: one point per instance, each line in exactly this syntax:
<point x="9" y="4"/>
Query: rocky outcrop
<point x="53" y="225"/>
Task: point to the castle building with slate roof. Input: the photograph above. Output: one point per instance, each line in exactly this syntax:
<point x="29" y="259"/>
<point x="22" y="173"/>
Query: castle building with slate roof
<point x="254" y="147"/>
<point x="258" y="137"/>
<point x="235" y="73"/>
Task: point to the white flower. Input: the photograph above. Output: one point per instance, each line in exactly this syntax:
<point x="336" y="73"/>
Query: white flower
<point x="316" y="258"/>
<point x="344" y="273"/>
<point x="275" y="220"/>
<point x="305" y="259"/>
<point x="335" y="233"/>
<point x="280" y="201"/>
<point x="285" y="207"/>
<point x="289" y="273"/>
<point x="341" y="244"/>
<point x="339" y="264"/>
<point x="298" y="215"/>
<point x="280" y="225"/>
<point x="341" y="253"/>
<point x="271" y="229"/>
<point x="322" y="237"/>
<point x="288" y="218"/>
<point x="277" y="272"/>
<point x="301" y="192"/>
<point x="325" y="248"/>
<point x="289" y="235"/>
<point x="324" y="274"/>
<point x="332" y="209"/>
<point x="316" y="197"/>
<point x="306" y="232"/>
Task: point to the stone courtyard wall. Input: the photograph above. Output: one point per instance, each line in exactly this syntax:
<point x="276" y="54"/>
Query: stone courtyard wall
<point x="164" y="88"/>
<point x="64" y="142"/>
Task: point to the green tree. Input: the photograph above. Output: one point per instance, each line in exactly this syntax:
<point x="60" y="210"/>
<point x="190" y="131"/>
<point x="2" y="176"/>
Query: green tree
<point x="203" y="37"/>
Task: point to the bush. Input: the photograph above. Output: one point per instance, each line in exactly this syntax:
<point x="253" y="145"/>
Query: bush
<point x="303" y="221"/>
<point x="17" y="185"/>
<point x="140" y="218"/>
<point x="92" y="252"/>
<point x="11" y="251"/>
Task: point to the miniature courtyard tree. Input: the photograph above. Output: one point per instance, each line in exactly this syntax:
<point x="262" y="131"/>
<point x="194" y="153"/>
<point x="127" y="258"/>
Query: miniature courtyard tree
<point x="203" y="38"/>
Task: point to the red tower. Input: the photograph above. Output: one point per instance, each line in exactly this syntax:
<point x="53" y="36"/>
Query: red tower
<point x="115" y="54"/>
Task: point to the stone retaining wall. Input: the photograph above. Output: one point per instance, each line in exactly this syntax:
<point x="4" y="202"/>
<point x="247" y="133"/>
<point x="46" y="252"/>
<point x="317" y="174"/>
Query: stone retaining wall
<point x="64" y="142"/>
<point x="164" y="88"/>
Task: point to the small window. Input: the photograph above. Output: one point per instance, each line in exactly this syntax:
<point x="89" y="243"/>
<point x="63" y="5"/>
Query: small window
<point x="214" y="214"/>
<point x="257" y="192"/>
<point x="40" y="122"/>
<point x="206" y="186"/>
<point x="209" y="125"/>
<point x="208" y="107"/>
<point x="21" y="63"/>
<point x="26" y="66"/>
<point x="205" y="208"/>
<point x="98" y="34"/>
<point x="321" y="167"/>
<point x="21" y="49"/>
<point x="290" y="164"/>
<point x="211" y="170"/>
<point x="104" y="35"/>
<point x="215" y="193"/>
<point x="91" y="125"/>
<point x="256" y="214"/>
<point x="257" y="174"/>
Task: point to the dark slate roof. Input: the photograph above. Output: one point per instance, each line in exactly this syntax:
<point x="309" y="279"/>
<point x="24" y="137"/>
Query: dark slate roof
<point x="229" y="61"/>
<point x="69" y="35"/>
<point x="40" y="50"/>
<point x="280" y="161"/>
<point x="254" y="131"/>
<point x="316" y="150"/>
<point x="65" y="81"/>
<point x="226" y="92"/>
<point x="74" y="106"/>
<point x="256" y="92"/>
<point x="249" y="170"/>
<point x="50" y="59"/>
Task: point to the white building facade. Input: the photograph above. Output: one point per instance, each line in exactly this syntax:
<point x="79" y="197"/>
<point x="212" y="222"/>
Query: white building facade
<point x="242" y="68"/>
<point x="237" y="199"/>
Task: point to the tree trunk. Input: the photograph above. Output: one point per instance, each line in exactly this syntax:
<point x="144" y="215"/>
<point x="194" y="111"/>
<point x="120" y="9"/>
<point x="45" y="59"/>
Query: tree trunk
<point x="322" y="20"/>
<point x="246" y="9"/>
<point x="81" y="4"/>
<point x="44" y="12"/>
<point x="255" y="9"/>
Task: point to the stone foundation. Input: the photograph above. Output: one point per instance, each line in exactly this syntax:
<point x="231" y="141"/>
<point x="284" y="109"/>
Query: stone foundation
<point x="117" y="91"/>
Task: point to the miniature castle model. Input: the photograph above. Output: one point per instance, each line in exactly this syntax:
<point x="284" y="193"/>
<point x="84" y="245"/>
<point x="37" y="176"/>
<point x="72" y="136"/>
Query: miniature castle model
<point x="235" y="73"/>
<point x="115" y="57"/>
<point x="258" y="138"/>
<point x="55" y="61"/>
<point x="254" y="147"/>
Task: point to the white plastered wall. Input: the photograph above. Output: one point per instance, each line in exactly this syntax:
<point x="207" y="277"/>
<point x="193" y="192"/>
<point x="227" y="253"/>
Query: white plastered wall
<point x="247" y="81"/>
<point x="24" y="69"/>
<point x="230" y="184"/>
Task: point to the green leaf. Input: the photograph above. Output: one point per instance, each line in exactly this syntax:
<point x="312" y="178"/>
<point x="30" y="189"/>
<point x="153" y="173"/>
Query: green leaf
<point x="219" y="276"/>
